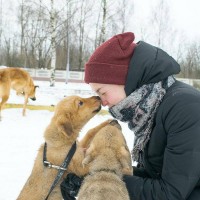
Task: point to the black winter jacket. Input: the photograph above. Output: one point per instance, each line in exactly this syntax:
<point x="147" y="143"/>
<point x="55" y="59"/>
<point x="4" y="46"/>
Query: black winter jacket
<point x="172" y="157"/>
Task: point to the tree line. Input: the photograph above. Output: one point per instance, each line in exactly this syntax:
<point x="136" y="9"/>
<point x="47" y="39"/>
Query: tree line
<point x="63" y="34"/>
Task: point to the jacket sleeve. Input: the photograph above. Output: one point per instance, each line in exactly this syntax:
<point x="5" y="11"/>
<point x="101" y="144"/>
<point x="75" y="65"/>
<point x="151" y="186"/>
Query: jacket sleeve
<point x="181" y="163"/>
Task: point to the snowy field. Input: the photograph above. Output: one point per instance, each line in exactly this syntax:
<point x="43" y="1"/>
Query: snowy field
<point x="20" y="137"/>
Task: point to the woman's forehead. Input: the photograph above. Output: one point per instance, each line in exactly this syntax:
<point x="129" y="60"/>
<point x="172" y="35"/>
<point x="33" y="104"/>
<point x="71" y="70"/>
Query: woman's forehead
<point x="97" y="86"/>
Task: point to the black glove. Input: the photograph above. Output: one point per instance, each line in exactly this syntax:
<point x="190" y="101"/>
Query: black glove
<point x="70" y="186"/>
<point x="130" y="181"/>
<point x="141" y="172"/>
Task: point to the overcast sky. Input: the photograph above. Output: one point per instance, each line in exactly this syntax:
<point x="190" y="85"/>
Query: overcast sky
<point x="185" y="14"/>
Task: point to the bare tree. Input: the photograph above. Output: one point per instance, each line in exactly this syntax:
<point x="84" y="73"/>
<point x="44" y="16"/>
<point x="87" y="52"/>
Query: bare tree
<point x="124" y="10"/>
<point x="107" y="21"/>
<point x="43" y="41"/>
<point x="190" y="64"/>
<point x="123" y="15"/>
<point x="85" y="13"/>
<point x="53" y="43"/>
<point x="1" y="26"/>
<point x="22" y="22"/>
<point x="161" y="26"/>
<point x="68" y="40"/>
<point x="34" y="33"/>
<point x="8" y="52"/>
<point x="103" y="26"/>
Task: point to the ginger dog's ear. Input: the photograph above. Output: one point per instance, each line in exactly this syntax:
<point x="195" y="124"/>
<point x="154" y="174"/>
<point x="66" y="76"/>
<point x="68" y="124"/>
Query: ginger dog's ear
<point x="64" y="125"/>
<point x="66" y="128"/>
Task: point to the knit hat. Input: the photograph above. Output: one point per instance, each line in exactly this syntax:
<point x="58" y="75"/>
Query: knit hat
<point x="109" y="62"/>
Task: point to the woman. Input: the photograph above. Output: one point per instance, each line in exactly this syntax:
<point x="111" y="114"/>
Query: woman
<point x="136" y="82"/>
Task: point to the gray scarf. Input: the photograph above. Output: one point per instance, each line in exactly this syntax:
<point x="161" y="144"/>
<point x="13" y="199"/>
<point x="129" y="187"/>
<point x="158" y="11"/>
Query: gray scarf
<point x="138" y="109"/>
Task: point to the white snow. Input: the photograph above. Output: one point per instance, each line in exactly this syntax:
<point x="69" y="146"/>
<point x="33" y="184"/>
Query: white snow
<point x="20" y="137"/>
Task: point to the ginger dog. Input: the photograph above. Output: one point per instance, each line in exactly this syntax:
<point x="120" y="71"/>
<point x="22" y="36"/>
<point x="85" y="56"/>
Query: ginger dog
<point x="108" y="159"/>
<point x="71" y="114"/>
<point x="20" y="81"/>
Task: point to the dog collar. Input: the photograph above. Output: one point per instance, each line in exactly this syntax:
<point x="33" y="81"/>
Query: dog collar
<point x="103" y="170"/>
<point x="61" y="169"/>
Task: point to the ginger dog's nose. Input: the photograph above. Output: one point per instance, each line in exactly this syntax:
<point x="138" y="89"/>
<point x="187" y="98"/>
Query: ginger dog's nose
<point x="33" y="99"/>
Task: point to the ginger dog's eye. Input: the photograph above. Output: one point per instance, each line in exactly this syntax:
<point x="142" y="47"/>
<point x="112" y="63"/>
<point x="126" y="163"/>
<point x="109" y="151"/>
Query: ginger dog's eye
<point x="80" y="103"/>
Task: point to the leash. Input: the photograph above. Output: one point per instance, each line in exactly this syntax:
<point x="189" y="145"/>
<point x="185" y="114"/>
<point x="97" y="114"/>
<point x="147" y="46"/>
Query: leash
<point x="61" y="169"/>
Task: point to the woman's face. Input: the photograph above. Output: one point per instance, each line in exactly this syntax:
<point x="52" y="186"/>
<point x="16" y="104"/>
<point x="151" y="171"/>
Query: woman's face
<point x="110" y="94"/>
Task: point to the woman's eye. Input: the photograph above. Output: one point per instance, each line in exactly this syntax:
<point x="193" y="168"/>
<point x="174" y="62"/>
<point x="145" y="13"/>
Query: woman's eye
<point x="80" y="103"/>
<point x="102" y="94"/>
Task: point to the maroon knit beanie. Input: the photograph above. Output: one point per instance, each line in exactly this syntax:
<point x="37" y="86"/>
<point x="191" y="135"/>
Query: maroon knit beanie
<point x="109" y="62"/>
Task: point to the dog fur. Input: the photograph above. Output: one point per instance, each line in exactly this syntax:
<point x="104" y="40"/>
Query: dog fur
<point x="108" y="159"/>
<point x="71" y="114"/>
<point x="18" y="80"/>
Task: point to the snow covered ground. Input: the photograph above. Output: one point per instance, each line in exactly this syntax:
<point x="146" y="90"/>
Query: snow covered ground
<point x="20" y="137"/>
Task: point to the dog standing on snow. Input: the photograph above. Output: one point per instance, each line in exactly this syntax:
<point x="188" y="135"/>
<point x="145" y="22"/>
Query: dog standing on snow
<point x="18" y="80"/>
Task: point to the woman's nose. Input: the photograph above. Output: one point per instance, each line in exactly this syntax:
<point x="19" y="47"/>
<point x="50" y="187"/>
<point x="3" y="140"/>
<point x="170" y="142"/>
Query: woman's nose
<point x="104" y="102"/>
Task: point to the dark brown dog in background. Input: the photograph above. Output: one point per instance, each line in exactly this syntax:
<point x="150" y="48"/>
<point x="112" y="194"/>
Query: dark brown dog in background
<point x="18" y="80"/>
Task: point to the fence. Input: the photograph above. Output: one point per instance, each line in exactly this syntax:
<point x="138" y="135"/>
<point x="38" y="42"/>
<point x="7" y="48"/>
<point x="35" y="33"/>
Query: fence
<point x="76" y="76"/>
<point x="193" y="82"/>
<point x="60" y="75"/>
